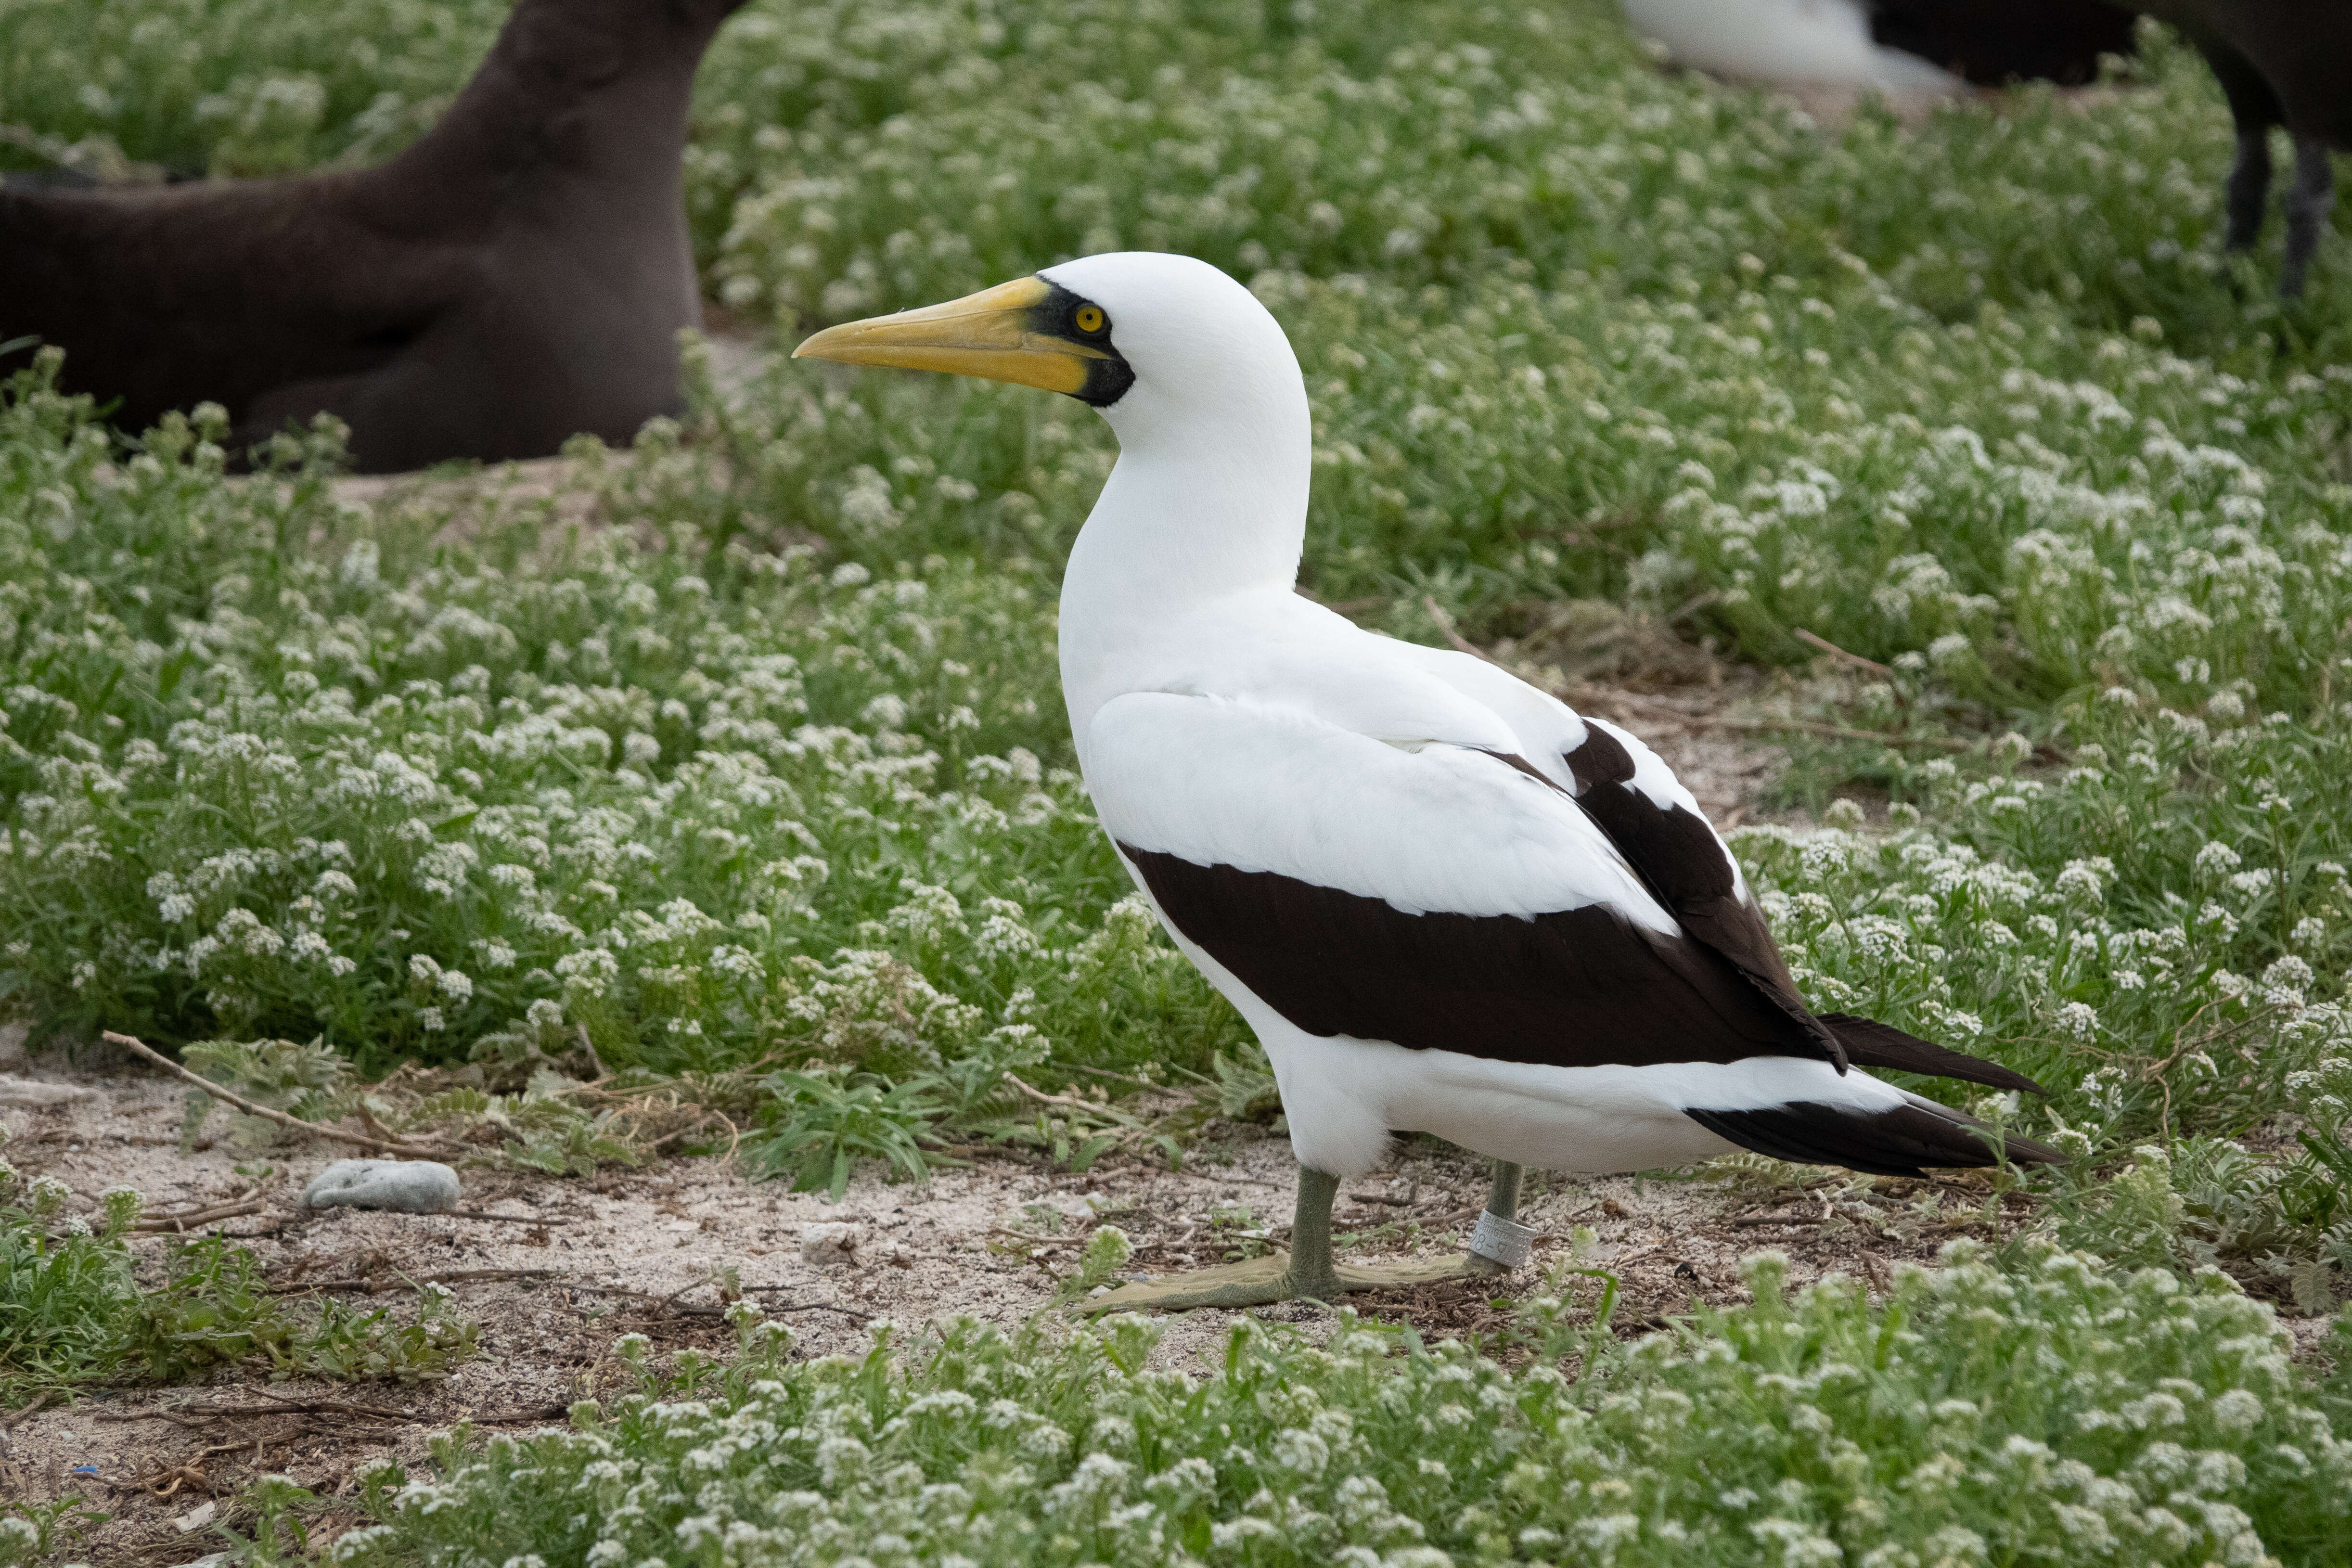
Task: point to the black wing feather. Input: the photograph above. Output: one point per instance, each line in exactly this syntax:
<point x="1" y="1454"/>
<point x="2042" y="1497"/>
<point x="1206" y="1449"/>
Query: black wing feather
<point x="1907" y="1140"/>
<point x="1871" y="1043"/>
<point x="1582" y="987"/>
<point x="1678" y="858"/>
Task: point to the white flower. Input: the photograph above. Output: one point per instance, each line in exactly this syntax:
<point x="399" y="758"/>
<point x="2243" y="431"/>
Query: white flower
<point x="2251" y="884"/>
<point x="2286" y="981"/>
<point x="242" y="930"/>
<point x="360" y="564"/>
<point x="2216" y="857"/>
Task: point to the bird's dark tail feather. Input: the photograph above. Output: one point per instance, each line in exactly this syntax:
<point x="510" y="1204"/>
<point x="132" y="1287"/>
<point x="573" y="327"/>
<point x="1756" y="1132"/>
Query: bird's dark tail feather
<point x="1871" y="1043"/>
<point x="1907" y="1140"/>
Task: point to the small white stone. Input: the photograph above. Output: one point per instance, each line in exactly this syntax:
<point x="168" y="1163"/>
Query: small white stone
<point x="831" y="1241"/>
<point x="408" y="1186"/>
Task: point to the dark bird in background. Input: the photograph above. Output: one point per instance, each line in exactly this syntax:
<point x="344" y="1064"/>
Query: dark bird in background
<point x="1898" y="46"/>
<point x="518" y="276"/>
<point x="2281" y="63"/>
<point x="1994" y="42"/>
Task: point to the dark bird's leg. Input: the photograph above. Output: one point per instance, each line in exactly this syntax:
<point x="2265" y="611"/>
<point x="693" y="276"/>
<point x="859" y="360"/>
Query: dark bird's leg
<point x="1501" y="1243"/>
<point x="2254" y="108"/>
<point x="2307" y="212"/>
<point x="2249" y="188"/>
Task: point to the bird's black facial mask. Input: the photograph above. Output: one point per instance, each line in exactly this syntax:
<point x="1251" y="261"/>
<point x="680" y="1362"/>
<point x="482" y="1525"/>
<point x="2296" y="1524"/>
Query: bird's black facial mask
<point x="1081" y="321"/>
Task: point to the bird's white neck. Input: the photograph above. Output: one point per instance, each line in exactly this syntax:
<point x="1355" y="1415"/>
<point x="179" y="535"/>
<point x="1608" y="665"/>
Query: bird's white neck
<point x="1206" y="503"/>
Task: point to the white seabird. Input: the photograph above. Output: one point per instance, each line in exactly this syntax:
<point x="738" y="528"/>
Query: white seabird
<point x="1902" y="47"/>
<point x="1816" y="42"/>
<point x="1446" y="901"/>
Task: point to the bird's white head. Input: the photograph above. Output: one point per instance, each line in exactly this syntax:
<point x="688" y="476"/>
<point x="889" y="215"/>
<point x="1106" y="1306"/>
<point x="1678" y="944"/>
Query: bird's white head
<point x="1216" y="444"/>
<point x="1166" y="347"/>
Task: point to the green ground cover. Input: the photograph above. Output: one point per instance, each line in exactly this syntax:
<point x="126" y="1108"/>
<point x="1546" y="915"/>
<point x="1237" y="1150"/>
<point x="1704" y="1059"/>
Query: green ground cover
<point x="72" y="1311"/>
<point x="778" y="777"/>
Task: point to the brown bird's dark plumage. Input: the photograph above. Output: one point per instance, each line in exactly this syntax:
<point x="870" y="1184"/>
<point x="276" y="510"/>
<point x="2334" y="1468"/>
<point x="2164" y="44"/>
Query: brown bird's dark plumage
<point x="518" y="276"/>
<point x="2281" y="63"/>
<point x="1994" y="42"/>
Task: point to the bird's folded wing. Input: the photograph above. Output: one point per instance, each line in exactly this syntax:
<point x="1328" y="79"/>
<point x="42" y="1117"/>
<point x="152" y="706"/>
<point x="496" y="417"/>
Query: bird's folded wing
<point x="1653" y="822"/>
<point x="1650" y="819"/>
<point x="1434" y="896"/>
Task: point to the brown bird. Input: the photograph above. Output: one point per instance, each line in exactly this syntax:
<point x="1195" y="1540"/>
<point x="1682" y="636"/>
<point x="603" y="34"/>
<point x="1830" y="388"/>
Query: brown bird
<point x="2280" y="63"/>
<point x="518" y="276"/>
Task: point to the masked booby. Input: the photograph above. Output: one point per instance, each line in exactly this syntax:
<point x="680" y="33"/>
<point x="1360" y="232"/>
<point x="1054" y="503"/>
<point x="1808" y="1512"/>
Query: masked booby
<point x="1446" y="901"/>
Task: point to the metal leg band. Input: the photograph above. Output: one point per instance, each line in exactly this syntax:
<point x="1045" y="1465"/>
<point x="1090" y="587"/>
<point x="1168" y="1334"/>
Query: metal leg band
<point x="1503" y="1241"/>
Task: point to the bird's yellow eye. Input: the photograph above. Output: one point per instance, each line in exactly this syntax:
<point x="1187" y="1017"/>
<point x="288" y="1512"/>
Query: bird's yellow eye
<point x="1091" y="320"/>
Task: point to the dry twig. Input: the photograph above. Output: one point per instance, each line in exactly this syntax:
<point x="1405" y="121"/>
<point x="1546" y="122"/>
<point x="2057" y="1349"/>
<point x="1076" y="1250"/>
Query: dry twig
<point x="400" y="1282"/>
<point x="141" y="1048"/>
<point x="177" y="1223"/>
<point x="1815" y="640"/>
<point x="804" y="1306"/>
<point x="1070" y="1100"/>
<point x="1035" y="1240"/>
<point x="669" y="1303"/>
<point x="200" y="1414"/>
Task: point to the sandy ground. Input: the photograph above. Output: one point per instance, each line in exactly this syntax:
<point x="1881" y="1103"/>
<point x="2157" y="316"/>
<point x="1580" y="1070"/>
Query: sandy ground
<point x="637" y="1251"/>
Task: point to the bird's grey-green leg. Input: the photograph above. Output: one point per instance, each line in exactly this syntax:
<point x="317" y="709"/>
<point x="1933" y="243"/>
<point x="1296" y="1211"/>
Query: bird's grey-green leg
<point x="1501" y="1243"/>
<point x="1503" y="1197"/>
<point x="1310" y="1272"/>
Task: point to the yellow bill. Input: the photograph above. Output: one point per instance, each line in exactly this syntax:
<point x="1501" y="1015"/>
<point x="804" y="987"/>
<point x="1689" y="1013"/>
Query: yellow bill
<point x="1005" y="333"/>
